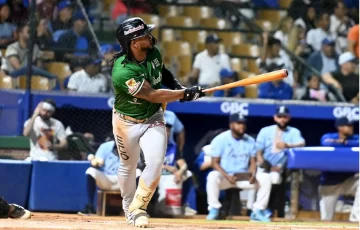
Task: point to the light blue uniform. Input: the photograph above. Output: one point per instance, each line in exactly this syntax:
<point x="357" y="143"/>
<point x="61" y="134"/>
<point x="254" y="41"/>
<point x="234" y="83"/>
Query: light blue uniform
<point x="234" y="154"/>
<point x="265" y="141"/>
<point x="173" y="120"/>
<point x="111" y="161"/>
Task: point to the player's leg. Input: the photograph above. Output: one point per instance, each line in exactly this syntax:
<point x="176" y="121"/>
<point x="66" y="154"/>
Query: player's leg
<point x="126" y="136"/>
<point x="351" y="187"/>
<point x="215" y="183"/>
<point x="13" y="210"/>
<point x="328" y="196"/>
<point x="153" y="143"/>
<point x="275" y="177"/>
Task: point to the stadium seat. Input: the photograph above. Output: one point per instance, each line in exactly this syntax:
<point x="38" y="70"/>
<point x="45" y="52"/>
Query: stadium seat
<point x="60" y="69"/>
<point x="265" y="25"/>
<point x="37" y="83"/>
<point x="251" y="91"/>
<point x="213" y="23"/>
<point x="197" y="12"/>
<point x="176" y="48"/>
<point x="7" y="82"/>
<point x="185" y="62"/>
<point x="167" y="35"/>
<point x="179" y="21"/>
<point x="168" y="10"/>
<point x="236" y="64"/>
<point x="3" y="52"/>
<point x="285" y="3"/>
<point x="194" y="37"/>
<point x="230" y="38"/>
<point x="273" y="16"/>
<point x="245" y="49"/>
<point x="245" y="74"/>
<point x="252" y="66"/>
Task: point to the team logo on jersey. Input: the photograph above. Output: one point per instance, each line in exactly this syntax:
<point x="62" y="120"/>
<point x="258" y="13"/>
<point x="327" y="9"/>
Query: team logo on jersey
<point x="132" y="85"/>
<point x="156" y="63"/>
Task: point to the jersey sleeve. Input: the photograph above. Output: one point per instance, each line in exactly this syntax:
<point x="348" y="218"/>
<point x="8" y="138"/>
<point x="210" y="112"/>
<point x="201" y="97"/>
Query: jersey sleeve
<point x="260" y="140"/>
<point x="127" y="80"/>
<point x="217" y="147"/>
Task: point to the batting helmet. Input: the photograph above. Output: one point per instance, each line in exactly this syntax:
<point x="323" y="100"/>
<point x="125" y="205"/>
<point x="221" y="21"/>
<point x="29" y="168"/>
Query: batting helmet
<point x="131" y="29"/>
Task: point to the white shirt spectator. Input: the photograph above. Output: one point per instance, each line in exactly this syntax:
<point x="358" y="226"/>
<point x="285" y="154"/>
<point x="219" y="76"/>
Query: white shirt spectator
<point x="42" y="135"/>
<point x="315" y="37"/>
<point x="282" y="37"/>
<point x="82" y="82"/>
<point x="283" y="59"/>
<point x="341" y="41"/>
<point x="210" y="67"/>
<point x="15" y="49"/>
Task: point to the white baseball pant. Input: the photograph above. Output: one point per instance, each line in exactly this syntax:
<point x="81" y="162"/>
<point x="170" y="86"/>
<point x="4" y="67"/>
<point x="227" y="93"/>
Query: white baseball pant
<point x="329" y="195"/>
<point x="216" y="182"/>
<point x="103" y="181"/>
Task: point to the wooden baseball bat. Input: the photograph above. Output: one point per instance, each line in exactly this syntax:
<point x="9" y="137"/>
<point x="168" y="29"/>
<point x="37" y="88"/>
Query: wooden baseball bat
<point x="271" y="76"/>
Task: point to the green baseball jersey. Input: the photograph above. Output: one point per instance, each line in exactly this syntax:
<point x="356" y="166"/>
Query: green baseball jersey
<point x="127" y="80"/>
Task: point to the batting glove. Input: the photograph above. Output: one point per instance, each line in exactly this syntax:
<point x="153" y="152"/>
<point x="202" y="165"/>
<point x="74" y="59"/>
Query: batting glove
<point x="193" y="93"/>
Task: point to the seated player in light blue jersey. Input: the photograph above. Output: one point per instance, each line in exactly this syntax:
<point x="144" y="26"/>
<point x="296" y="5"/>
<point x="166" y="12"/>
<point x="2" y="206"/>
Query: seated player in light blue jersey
<point x="272" y="143"/>
<point x="234" y="154"/>
<point x="102" y="173"/>
<point x="177" y="129"/>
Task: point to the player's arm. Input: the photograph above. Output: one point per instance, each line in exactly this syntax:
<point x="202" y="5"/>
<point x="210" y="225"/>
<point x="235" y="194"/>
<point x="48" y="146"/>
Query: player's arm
<point x="260" y="146"/>
<point x="30" y="123"/>
<point x="169" y="80"/>
<point x="297" y="140"/>
<point x="164" y="96"/>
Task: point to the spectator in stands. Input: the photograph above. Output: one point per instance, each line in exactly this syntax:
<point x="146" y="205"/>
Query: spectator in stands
<point x="297" y="44"/>
<point x="278" y="89"/>
<point x="272" y="143"/>
<point x="177" y="129"/>
<point x="271" y="55"/>
<point x="19" y="13"/>
<point x="47" y="134"/>
<point x="76" y="64"/>
<point x="75" y="39"/>
<point x="16" y="58"/>
<point x="7" y="30"/>
<point x="208" y="63"/>
<point x="46" y="9"/>
<point x="324" y="60"/>
<point x="175" y="164"/>
<point x="88" y="80"/>
<point x="334" y="184"/>
<point x="313" y="92"/>
<point x="120" y="10"/>
<point x="102" y="173"/>
<point x="305" y="19"/>
<point x="43" y="35"/>
<point x="345" y="78"/>
<point x="234" y="154"/>
<point x="315" y="37"/>
<point x="63" y="21"/>
<point x="13" y="211"/>
<point x="228" y="76"/>
<point x="353" y="40"/>
<point x="284" y="29"/>
<point x="340" y="24"/>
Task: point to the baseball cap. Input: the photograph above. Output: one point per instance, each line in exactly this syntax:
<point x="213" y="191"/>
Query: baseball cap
<point x="225" y="73"/>
<point x="237" y="117"/>
<point x="343" y="121"/>
<point x="106" y="48"/>
<point x="275" y="66"/>
<point x="78" y="16"/>
<point x="282" y="111"/>
<point x="328" y="41"/>
<point x="95" y="61"/>
<point x="346" y="57"/>
<point x="62" y="5"/>
<point x="212" y="38"/>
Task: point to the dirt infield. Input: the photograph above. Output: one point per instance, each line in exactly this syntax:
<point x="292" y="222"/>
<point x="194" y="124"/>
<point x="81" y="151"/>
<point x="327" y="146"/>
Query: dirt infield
<point x="68" y="221"/>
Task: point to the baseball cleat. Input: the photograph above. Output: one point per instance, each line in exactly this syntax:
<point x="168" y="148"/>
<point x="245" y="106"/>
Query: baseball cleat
<point x="19" y="212"/>
<point x="259" y="216"/>
<point x="88" y="210"/>
<point x="139" y="218"/>
<point x="213" y="214"/>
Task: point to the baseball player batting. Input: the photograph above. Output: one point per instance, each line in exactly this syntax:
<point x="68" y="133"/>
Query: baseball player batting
<point x="138" y="121"/>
